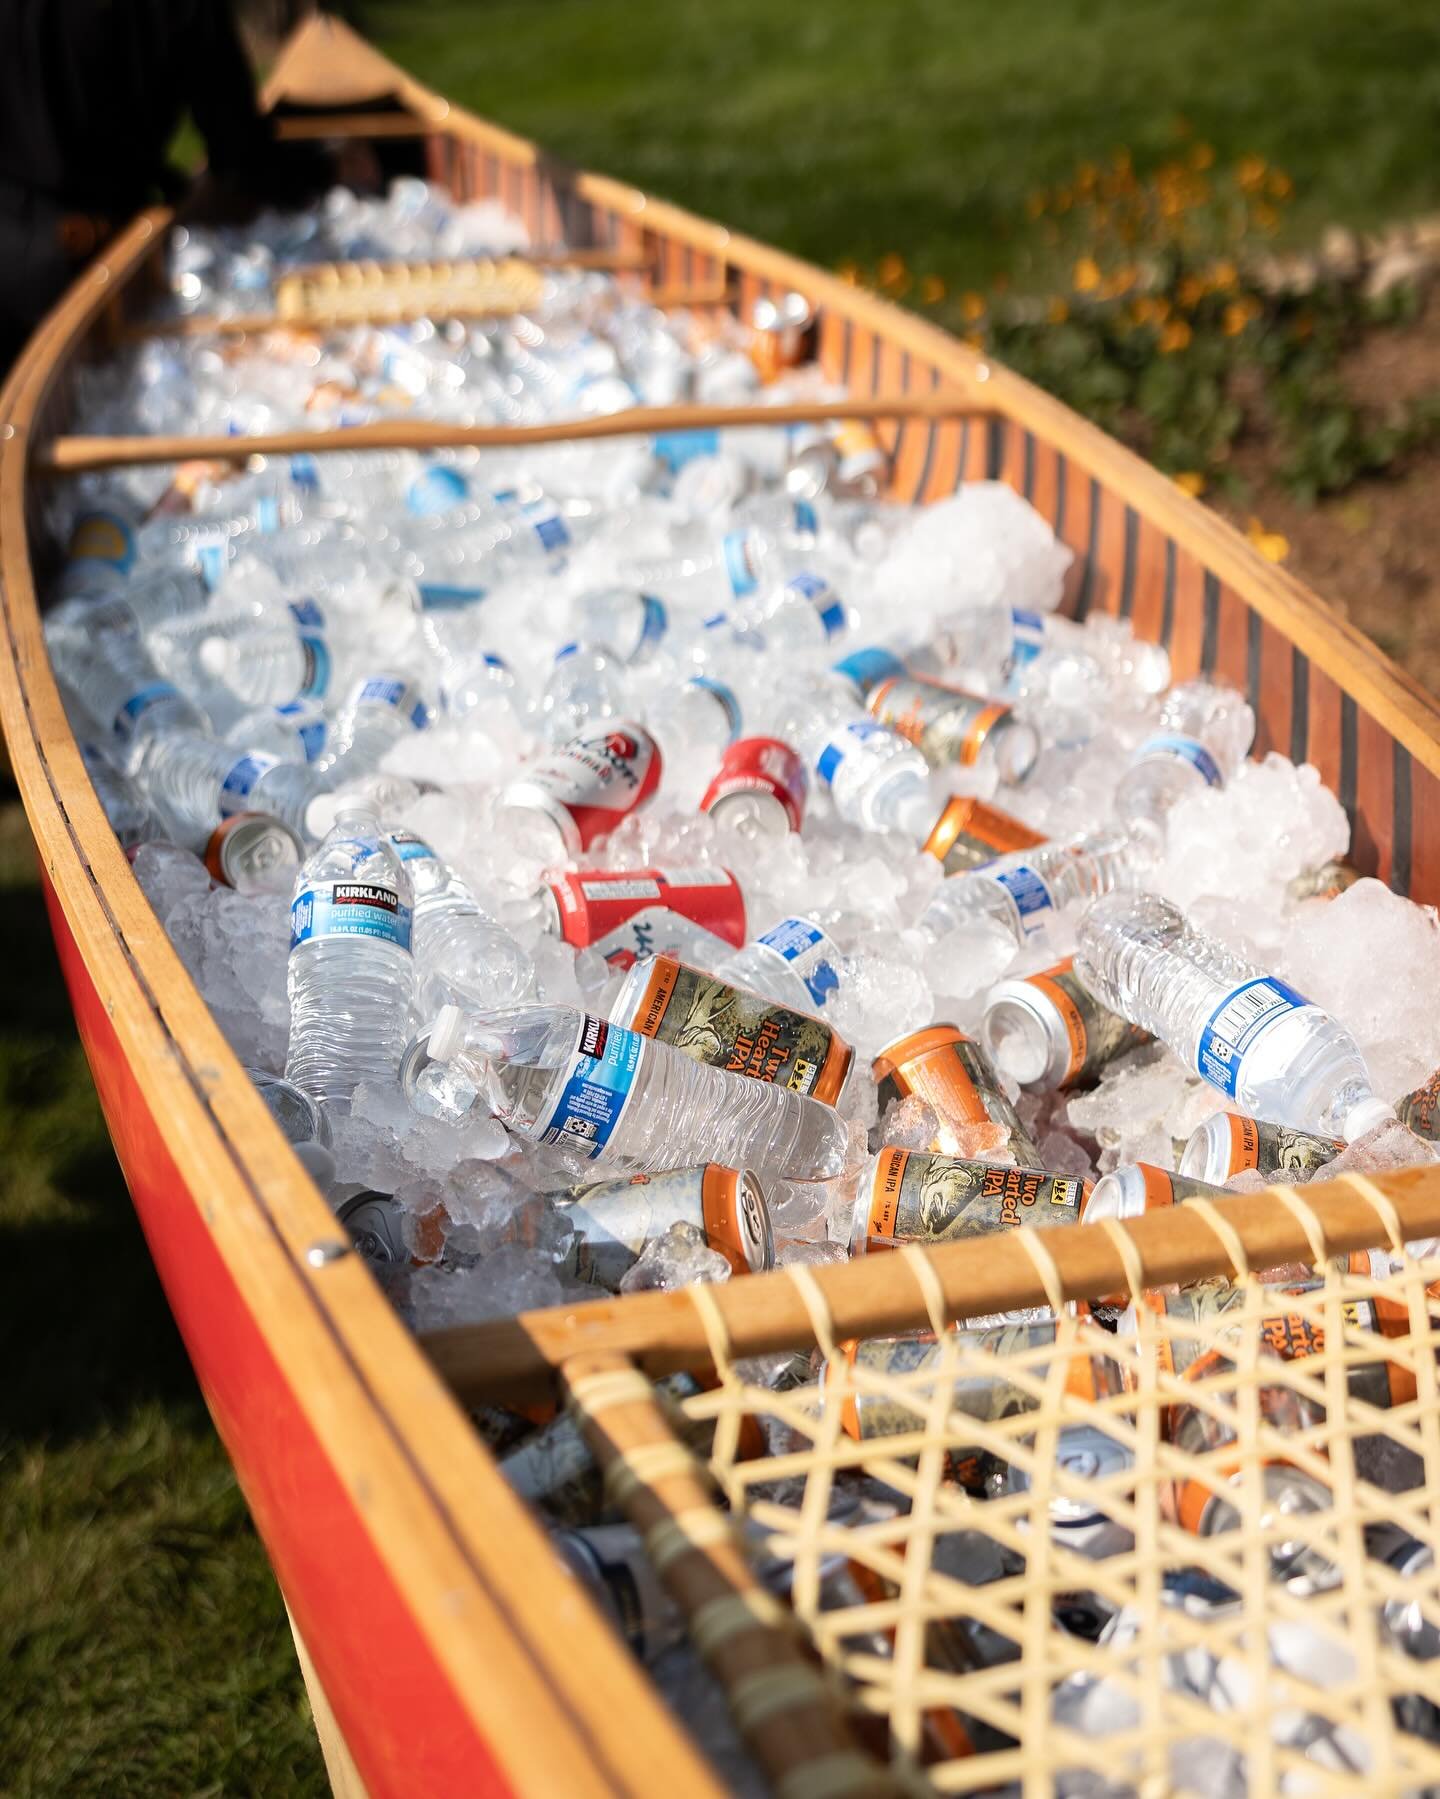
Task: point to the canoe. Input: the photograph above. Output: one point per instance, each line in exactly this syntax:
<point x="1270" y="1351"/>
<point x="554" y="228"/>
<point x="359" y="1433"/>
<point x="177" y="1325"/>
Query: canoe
<point x="446" y="1648"/>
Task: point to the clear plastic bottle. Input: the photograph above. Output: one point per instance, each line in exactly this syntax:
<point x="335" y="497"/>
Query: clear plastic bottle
<point x="351" y="975"/>
<point x="587" y="682"/>
<point x="462" y="956"/>
<point x="560" y="1076"/>
<point x="295" y="732"/>
<point x="805" y="615"/>
<point x="382" y="708"/>
<point x="480" y="687"/>
<point x="130" y="818"/>
<point x="628" y="623"/>
<point x="694" y="724"/>
<point x="116" y="681"/>
<point x="1205" y="732"/>
<point x="877" y="779"/>
<point x="1016" y="899"/>
<point x="302" y="1121"/>
<point x="797" y="964"/>
<point x="194" y="782"/>
<point x="1259" y="1041"/>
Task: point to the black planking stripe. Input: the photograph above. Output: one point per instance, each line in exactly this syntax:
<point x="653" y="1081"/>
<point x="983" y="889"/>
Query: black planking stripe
<point x="1028" y="478"/>
<point x="1210" y="637"/>
<point x="1127" y="573"/>
<point x="1062" y="465"/>
<point x="1400" y="853"/>
<point x="1299" y="705"/>
<point x="1087" y="569"/>
<point x="962" y="472"/>
<point x="995" y="435"/>
<point x="845" y="341"/>
<point x="1254" y="652"/>
<point x="1167" y="607"/>
<point x="925" y="467"/>
<point x="1349" y="755"/>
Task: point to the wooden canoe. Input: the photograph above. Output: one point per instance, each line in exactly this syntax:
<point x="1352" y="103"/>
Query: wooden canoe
<point x="446" y="1649"/>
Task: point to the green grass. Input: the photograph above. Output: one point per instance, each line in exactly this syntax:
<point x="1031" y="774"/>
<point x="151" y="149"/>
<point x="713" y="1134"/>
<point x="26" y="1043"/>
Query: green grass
<point x="844" y="130"/>
<point x="143" y="1639"/>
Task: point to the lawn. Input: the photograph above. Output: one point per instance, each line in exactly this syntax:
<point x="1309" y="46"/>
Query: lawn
<point x="145" y="1644"/>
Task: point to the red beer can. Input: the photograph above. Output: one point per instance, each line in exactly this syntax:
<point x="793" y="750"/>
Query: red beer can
<point x="579" y="793"/>
<point x="760" y="785"/>
<point x="629" y="912"/>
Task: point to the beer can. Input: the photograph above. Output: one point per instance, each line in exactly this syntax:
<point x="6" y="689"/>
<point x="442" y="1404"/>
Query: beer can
<point x="968" y="834"/>
<point x="1085" y="1453"/>
<point x="948" y="725"/>
<point x="861" y="462"/>
<point x="780" y="331"/>
<point x="375" y="1222"/>
<point x="614" y="1221"/>
<point x="1230" y="1143"/>
<point x="254" y="853"/>
<point x="1420" y="1111"/>
<point x="1328" y="881"/>
<point x="1048" y="1030"/>
<point x="909" y="1197"/>
<point x="634" y="912"/>
<point x="612" y="1561"/>
<point x="760" y="788"/>
<point x="732" y="1028"/>
<point x="586" y="787"/>
<point x="987" y="1396"/>
<point x="954" y="1076"/>
<point x="1139" y="1187"/>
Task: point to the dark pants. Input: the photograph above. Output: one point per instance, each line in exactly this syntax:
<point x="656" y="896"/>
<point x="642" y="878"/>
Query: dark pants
<point x="39" y="258"/>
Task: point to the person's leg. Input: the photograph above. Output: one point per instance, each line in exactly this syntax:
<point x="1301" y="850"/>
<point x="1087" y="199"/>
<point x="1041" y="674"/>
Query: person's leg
<point x="35" y="269"/>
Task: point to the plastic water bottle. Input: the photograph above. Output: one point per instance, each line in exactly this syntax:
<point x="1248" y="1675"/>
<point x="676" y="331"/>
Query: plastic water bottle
<point x="560" y="1076"/>
<point x="116" y="681"/>
<point x="1250" y="1034"/>
<point x="194" y="782"/>
<point x="628" y="623"/>
<point x="804" y="614"/>
<point x="381" y="709"/>
<point x="481" y="687"/>
<point x="352" y="979"/>
<point x="1205" y="732"/>
<point x="462" y="956"/>
<point x="295" y="732"/>
<point x="797" y="964"/>
<point x="694" y="724"/>
<point x="587" y="682"/>
<point x="130" y="818"/>
<point x="1018" y="899"/>
<point x="877" y="780"/>
<point x="302" y="1121"/>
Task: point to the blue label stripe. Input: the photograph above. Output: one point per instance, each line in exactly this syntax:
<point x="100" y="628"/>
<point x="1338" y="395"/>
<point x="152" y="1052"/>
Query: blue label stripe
<point x="1239" y="1019"/>
<point x="1186" y="749"/>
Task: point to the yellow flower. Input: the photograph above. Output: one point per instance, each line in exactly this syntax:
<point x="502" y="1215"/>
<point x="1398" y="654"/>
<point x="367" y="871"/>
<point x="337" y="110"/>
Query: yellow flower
<point x="1056" y="312"/>
<point x="1270" y="544"/>
<point x="1238" y="315"/>
<point x="1191" y="482"/>
<point x="1190" y="292"/>
<point x="974" y="339"/>
<point x="1175" y="336"/>
<point x="1064" y="199"/>
<point x="849" y="274"/>
<point x="1280" y="184"/>
<point x="972" y="307"/>
<point x="1035" y="204"/>
<point x="1201" y="156"/>
<point x="1223" y="276"/>
<point x="1160" y="309"/>
<point x="932" y="290"/>
<point x="1087" y="275"/>
<point x="1250" y="172"/>
<point x="1085" y="177"/>
<point x="892" y="271"/>
<point x="1266" y="216"/>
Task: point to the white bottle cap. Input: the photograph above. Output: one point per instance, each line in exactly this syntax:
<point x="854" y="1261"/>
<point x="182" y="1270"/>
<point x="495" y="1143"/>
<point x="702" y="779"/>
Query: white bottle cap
<point x="1365" y="1116"/>
<point x="445" y="1034"/>
<point x="213" y="655"/>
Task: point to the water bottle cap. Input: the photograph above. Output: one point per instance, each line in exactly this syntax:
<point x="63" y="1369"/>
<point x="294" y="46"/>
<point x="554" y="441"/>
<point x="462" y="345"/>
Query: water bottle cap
<point x="213" y="655"/>
<point x="1365" y="1116"/>
<point x="446" y="1034"/>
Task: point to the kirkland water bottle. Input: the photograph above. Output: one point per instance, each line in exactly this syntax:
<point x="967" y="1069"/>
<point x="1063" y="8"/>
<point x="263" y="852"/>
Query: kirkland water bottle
<point x="1017" y="899"/>
<point x="1204" y="734"/>
<point x="1255" y="1038"/>
<point x="194" y="782"/>
<point x="352" y="980"/>
<point x="796" y="964"/>
<point x="560" y="1076"/>
<point x="462" y="957"/>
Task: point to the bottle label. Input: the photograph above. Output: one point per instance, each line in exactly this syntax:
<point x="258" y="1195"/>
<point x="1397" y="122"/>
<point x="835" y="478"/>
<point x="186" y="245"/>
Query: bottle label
<point x="134" y="709"/>
<point x="676" y="448"/>
<point x="725" y="698"/>
<point x="1237" y="1022"/>
<point x="241" y="781"/>
<point x="437" y="490"/>
<point x="311" y="732"/>
<point x="1029" y="636"/>
<point x="599" y="1079"/>
<point x="305" y="474"/>
<point x="739" y="565"/>
<point x="809" y="954"/>
<point x="307" y="616"/>
<point x="1187" y="749"/>
<point x="102" y="537"/>
<point x="210" y="553"/>
<point x="349" y="909"/>
<point x="548" y="526"/>
<point x="410" y="848"/>
<point x="847" y="738"/>
<point x="1029" y="896"/>
<point x="445" y="596"/>
<point x="945" y="724"/>
<point x="315" y="680"/>
<point x="822" y="596"/>
<point x="918" y="1198"/>
<point x="385" y="690"/>
<point x="804" y="519"/>
<point x="742" y="1032"/>
<point x="654" y="623"/>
